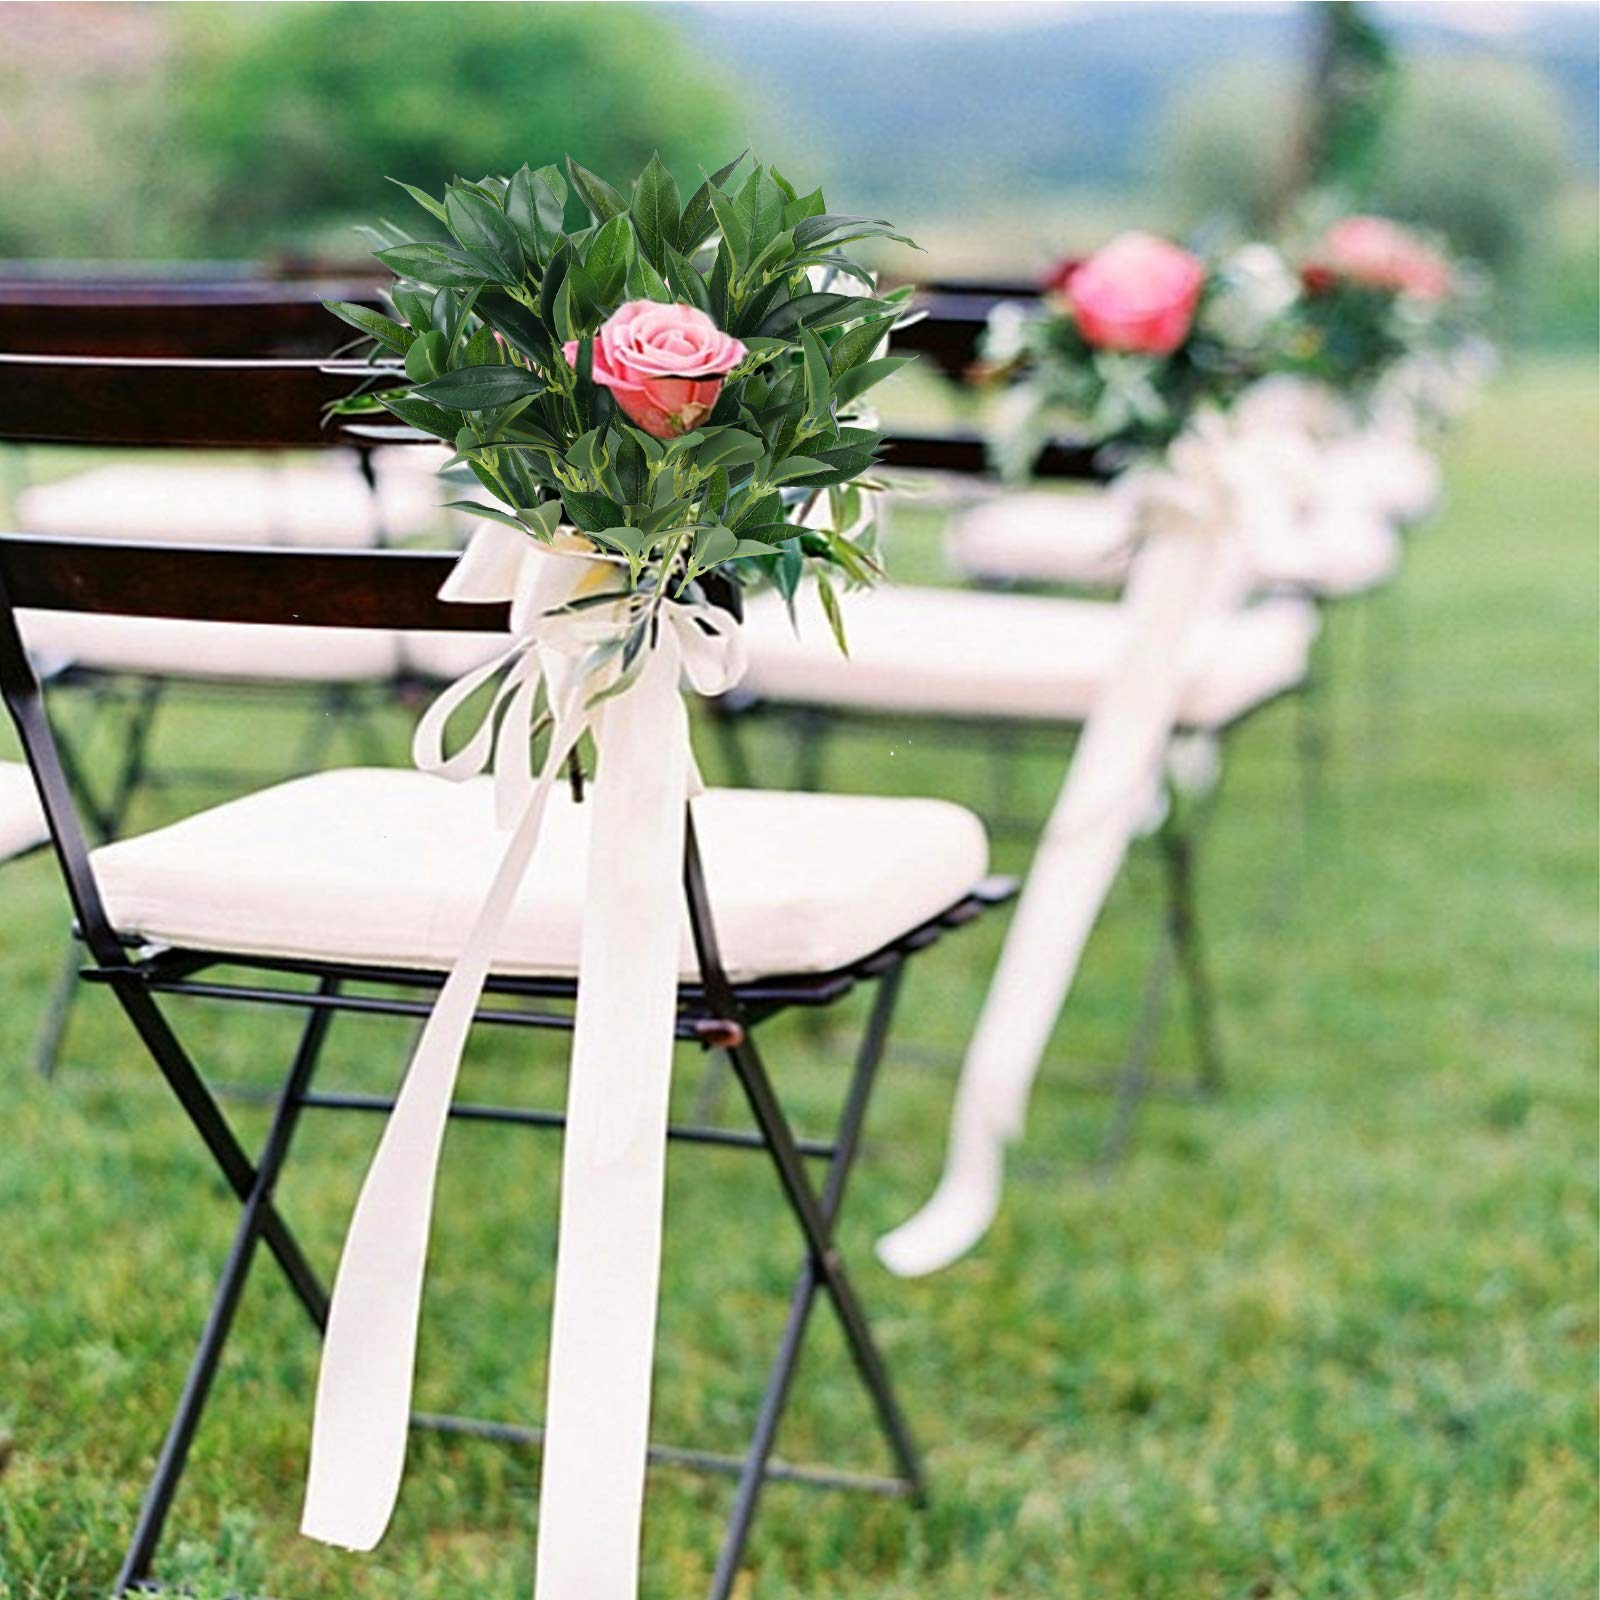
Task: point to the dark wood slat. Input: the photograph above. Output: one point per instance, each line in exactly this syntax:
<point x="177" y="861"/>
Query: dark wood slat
<point x="186" y="403"/>
<point x="165" y="317"/>
<point x="966" y="453"/>
<point x="310" y="588"/>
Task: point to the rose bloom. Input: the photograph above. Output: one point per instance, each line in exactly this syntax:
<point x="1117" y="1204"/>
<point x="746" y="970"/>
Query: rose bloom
<point x="1138" y="293"/>
<point x="663" y="364"/>
<point x="1382" y="255"/>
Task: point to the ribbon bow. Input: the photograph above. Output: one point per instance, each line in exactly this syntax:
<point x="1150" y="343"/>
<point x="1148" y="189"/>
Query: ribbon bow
<point x="571" y="619"/>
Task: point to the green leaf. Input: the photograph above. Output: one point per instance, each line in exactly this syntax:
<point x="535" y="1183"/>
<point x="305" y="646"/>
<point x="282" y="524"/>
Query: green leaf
<point x="606" y="262"/>
<point x="476" y="508"/>
<point x="423" y="198"/>
<point x="861" y="378"/>
<point x="479" y="388"/>
<point x="603" y="201"/>
<point x="832" y="228"/>
<point x="697" y="222"/>
<point x="645" y="283"/>
<point x="520" y="326"/>
<point x="818" y="384"/>
<point x="485" y="233"/>
<point x="830" y="606"/>
<point x="482" y="350"/>
<point x="735" y="233"/>
<point x="767" y="533"/>
<point x="634" y="543"/>
<point x="590" y="512"/>
<point x="796" y="467"/>
<point x="427" y="356"/>
<point x="421" y="415"/>
<point x="544" y="519"/>
<point x="656" y="211"/>
<point x="711" y="545"/>
<point x="653" y="450"/>
<point x="687" y="283"/>
<point x="374" y="324"/>
<point x="806" y="206"/>
<point x="856" y="344"/>
<point x="554" y="276"/>
<point x="414" y="305"/>
<point x="437" y="266"/>
<point x="535" y="204"/>
<point x="730" y="448"/>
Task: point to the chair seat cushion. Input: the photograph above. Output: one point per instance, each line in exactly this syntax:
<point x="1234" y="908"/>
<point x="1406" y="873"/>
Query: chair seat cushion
<point x="1076" y="539"/>
<point x="324" y="504"/>
<point x="389" y="867"/>
<point x="182" y="649"/>
<point x="951" y="652"/>
<point x="21" y="818"/>
<point x="1083" y="540"/>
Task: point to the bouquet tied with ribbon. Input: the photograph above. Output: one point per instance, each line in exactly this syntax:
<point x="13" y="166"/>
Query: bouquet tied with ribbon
<point x="641" y="401"/>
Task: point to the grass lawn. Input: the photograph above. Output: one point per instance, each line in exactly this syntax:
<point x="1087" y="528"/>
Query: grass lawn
<point x="1330" y="1337"/>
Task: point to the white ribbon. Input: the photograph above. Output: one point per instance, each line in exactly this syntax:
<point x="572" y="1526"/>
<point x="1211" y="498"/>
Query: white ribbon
<point x="603" y="1326"/>
<point x="1191" y="571"/>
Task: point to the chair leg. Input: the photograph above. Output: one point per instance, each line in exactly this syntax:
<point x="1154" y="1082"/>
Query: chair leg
<point x="236" y="1167"/>
<point x="1177" y="849"/>
<point x="332" y="706"/>
<point x="811" y="735"/>
<point x="822" y="1272"/>
<point x="58" y="1011"/>
<point x="1132" y="1082"/>
<point x="253" y="1225"/>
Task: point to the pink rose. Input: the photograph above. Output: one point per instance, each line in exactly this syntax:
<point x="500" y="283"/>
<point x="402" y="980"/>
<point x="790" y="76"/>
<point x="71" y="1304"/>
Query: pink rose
<point x="663" y="364"/>
<point x="1382" y="255"/>
<point x="1138" y="293"/>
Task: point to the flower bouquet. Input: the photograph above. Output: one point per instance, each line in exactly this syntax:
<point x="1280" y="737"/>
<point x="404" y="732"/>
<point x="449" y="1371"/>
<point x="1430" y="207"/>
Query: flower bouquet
<point x="665" y="381"/>
<point x="1374" y="295"/>
<point x="1126" y="345"/>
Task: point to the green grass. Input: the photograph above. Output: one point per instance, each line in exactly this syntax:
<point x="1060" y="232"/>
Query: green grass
<point x="1331" y="1337"/>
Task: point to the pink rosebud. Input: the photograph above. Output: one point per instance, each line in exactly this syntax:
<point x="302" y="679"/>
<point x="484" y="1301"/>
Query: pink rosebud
<point x="1139" y="293"/>
<point x="664" y="364"/>
<point x="1382" y="255"/>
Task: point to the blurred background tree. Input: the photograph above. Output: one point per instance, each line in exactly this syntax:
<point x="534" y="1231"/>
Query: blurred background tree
<point x="236" y="129"/>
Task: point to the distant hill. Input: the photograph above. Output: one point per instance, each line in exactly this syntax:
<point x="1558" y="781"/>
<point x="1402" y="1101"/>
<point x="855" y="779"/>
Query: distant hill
<point x="1040" y="98"/>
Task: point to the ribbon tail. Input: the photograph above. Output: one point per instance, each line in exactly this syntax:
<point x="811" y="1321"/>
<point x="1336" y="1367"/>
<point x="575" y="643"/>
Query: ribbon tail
<point x="1180" y="581"/>
<point x="614" y="1162"/>
<point x="363" y="1404"/>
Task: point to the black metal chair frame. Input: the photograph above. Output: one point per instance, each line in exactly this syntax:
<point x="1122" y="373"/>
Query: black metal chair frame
<point x="398" y="589"/>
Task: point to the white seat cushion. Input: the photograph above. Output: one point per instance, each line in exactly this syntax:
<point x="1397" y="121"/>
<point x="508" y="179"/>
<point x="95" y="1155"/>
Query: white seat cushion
<point x="1335" y="553"/>
<point x="323" y="504"/>
<point x="1083" y="540"/>
<point x="390" y="866"/>
<point x="952" y="652"/>
<point x="181" y="649"/>
<point x="21" y="818"/>
<point x="446" y="656"/>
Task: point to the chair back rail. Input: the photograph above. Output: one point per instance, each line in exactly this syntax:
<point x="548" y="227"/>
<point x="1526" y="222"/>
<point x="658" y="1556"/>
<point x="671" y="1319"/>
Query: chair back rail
<point x="163" y="316"/>
<point x="187" y="403"/>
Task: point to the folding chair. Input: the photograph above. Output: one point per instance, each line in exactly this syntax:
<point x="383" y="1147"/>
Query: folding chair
<point x="862" y="885"/>
<point x="1029" y="668"/>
